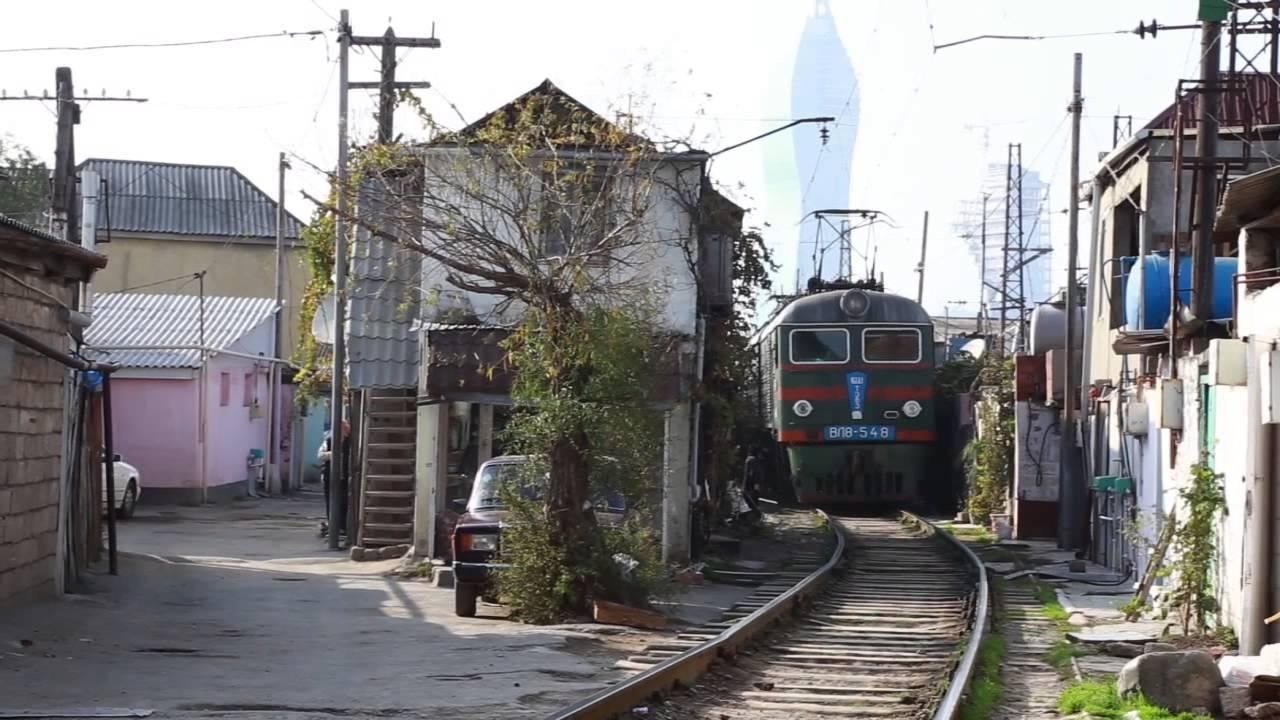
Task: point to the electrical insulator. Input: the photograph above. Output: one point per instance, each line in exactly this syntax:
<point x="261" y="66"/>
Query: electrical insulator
<point x="825" y="134"/>
<point x="1144" y="28"/>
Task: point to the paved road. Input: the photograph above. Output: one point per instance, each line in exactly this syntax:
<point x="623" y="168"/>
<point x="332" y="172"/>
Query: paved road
<point x="239" y="611"/>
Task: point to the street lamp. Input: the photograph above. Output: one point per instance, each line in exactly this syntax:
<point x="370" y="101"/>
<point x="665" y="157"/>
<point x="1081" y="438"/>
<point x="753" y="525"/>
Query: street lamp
<point x="788" y="126"/>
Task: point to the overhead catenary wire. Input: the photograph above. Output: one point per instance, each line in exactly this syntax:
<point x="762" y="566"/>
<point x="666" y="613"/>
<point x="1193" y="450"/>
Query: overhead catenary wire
<point x="284" y="34"/>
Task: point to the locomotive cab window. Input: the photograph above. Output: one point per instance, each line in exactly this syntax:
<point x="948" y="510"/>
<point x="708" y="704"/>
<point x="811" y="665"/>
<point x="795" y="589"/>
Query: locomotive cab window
<point x="828" y="345"/>
<point x="891" y="345"/>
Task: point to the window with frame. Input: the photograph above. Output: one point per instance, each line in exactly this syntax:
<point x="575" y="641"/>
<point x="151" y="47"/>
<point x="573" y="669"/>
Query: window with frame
<point x="819" y="346"/>
<point x="891" y="345"/>
<point x="224" y="389"/>
<point x="576" y="209"/>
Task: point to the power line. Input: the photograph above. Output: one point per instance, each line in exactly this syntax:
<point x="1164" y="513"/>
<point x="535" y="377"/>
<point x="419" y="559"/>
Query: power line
<point x="1061" y="36"/>
<point x="185" y="276"/>
<point x="171" y="44"/>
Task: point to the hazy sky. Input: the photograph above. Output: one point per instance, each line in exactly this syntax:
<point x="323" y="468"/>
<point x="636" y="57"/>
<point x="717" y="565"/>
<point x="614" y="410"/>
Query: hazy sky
<point x="713" y="70"/>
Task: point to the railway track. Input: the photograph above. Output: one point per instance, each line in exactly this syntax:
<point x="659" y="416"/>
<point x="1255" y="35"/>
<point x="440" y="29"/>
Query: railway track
<point x="887" y="631"/>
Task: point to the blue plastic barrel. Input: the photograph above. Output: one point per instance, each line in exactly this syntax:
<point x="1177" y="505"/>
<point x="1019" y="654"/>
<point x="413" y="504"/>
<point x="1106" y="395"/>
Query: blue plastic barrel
<point x="1156" y="302"/>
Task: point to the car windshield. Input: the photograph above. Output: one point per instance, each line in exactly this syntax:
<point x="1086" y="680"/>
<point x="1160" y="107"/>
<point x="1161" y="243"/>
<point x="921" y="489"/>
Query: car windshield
<point x="488" y="488"/>
<point x="486" y="494"/>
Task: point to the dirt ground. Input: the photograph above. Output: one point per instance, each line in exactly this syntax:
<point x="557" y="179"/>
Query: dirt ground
<point x="240" y="611"/>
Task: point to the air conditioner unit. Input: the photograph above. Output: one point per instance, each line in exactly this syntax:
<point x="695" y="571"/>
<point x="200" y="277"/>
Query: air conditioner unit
<point x="1228" y="363"/>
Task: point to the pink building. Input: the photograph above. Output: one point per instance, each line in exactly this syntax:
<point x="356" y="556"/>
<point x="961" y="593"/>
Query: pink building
<point x="158" y="407"/>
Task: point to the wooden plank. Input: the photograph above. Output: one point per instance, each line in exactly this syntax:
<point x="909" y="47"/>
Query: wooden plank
<point x="607" y="613"/>
<point x="1157" y="559"/>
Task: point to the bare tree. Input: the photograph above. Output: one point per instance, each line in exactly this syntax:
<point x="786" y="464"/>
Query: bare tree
<point x="542" y="211"/>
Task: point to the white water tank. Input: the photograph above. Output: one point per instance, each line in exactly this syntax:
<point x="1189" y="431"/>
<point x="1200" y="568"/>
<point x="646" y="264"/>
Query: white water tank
<point x="1049" y="328"/>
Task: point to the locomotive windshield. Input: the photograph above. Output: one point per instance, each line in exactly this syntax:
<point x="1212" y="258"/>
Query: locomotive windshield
<point x="891" y="345"/>
<point x="829" y="345"/>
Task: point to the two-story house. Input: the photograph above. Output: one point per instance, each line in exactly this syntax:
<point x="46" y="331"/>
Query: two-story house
<point x="424" y="336"/>
<point x="162" y="223"/>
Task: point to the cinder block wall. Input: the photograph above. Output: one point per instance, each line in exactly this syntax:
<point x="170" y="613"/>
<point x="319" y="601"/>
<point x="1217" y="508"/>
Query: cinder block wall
<point x="31" y="407"/>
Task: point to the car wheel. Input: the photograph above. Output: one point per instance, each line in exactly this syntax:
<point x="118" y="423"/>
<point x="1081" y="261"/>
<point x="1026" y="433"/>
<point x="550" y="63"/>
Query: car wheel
<point x="130" y="500"/>
<point x="464" y="599"/>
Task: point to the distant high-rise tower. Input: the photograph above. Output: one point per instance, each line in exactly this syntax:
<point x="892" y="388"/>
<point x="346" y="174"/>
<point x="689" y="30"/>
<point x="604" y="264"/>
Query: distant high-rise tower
<point x="823" y="84"/>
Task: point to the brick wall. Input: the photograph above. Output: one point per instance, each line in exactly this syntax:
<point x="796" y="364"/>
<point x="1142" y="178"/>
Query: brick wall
<point x="31" y="405"/>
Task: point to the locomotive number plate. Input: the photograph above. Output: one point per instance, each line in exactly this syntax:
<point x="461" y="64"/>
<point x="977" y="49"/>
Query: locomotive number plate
<point x="859" y="432"/>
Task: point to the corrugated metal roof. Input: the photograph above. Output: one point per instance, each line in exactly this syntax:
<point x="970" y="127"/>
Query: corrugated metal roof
<point x="1251" y="97"/>
<point x="30" y="230"/>
<point x="1249" y="199"/>
<point x="164" y="198"/>
<point x="385" y="307"/>
<point x="141" y="319"/>
<point x="48" y="246"/>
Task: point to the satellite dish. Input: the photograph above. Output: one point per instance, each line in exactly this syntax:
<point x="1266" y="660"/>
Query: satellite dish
<point x="322" y="322"/>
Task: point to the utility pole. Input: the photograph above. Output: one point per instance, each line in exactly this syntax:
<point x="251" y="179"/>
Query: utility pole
<point x="1068" y="495"/>
<point x="1206" y="170"/>
<point x="89" y="186"/>
<point x="982" y="268"/>
<point x="274" y="484"/>
<point x="387" y="85"/>
<point x="924" y="245"/>
<point x="63" y="220"/>
<point x="203" y="398"/>
<point x="337" y="461"/>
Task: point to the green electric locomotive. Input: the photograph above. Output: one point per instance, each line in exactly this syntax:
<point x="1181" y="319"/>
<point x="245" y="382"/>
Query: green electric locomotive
<point x="845" y="396"/>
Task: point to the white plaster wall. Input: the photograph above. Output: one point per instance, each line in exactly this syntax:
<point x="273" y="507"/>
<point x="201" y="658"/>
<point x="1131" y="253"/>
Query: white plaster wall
<point x="1229" y="443"/>
<point x="1149" y="461"/>
<point x="656" y="268"/>
<point x="1258" y="313"/>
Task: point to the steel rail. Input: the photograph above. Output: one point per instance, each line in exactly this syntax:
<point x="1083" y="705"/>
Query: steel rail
<point x="950" y="705"/>
<point x="685" y="669"/>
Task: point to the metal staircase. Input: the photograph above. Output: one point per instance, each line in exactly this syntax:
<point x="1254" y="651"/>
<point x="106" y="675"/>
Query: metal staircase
<point x="389" y="430"/>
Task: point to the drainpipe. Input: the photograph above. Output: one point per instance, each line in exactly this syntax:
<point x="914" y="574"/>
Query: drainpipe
<point x="696" y="445"/>
<point x="1257" y="535"/>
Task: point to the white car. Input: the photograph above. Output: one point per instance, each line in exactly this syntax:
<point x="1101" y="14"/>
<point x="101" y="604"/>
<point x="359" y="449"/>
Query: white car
<point x="127" y="487"/>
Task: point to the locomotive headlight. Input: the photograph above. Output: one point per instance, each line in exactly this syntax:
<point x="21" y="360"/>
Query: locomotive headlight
<point x="802" y="408"/>
<point x="911" y="408"/>
<point x="855" y="303"/>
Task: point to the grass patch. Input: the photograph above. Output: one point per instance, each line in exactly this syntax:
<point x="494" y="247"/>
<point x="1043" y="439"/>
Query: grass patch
<point x="1049" y="603"/>
<point x="986" y="688"/>
<point x="1062" y="652"/>
<point x="1100" y="699"/>
<point x="973" y="534"/>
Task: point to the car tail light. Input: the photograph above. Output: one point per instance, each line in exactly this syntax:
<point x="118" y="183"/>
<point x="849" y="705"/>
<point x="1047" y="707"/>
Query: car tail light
<point x="482" y="542"/>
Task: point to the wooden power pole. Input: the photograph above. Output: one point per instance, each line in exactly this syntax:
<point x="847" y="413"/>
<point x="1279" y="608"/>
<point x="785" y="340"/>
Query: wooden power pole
<point x="387" y="87"/>
<point x="64" y="220"/>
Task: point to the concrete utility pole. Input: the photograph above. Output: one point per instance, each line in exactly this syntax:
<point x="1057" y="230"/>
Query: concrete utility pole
<point x="89" y="186"/>
<point x="924" y="246"/>
<point x="1206" y="170"/>
<point x="1068" y="491"/>
<point x="337" y="461"/>
<point x="274" y="484"/>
